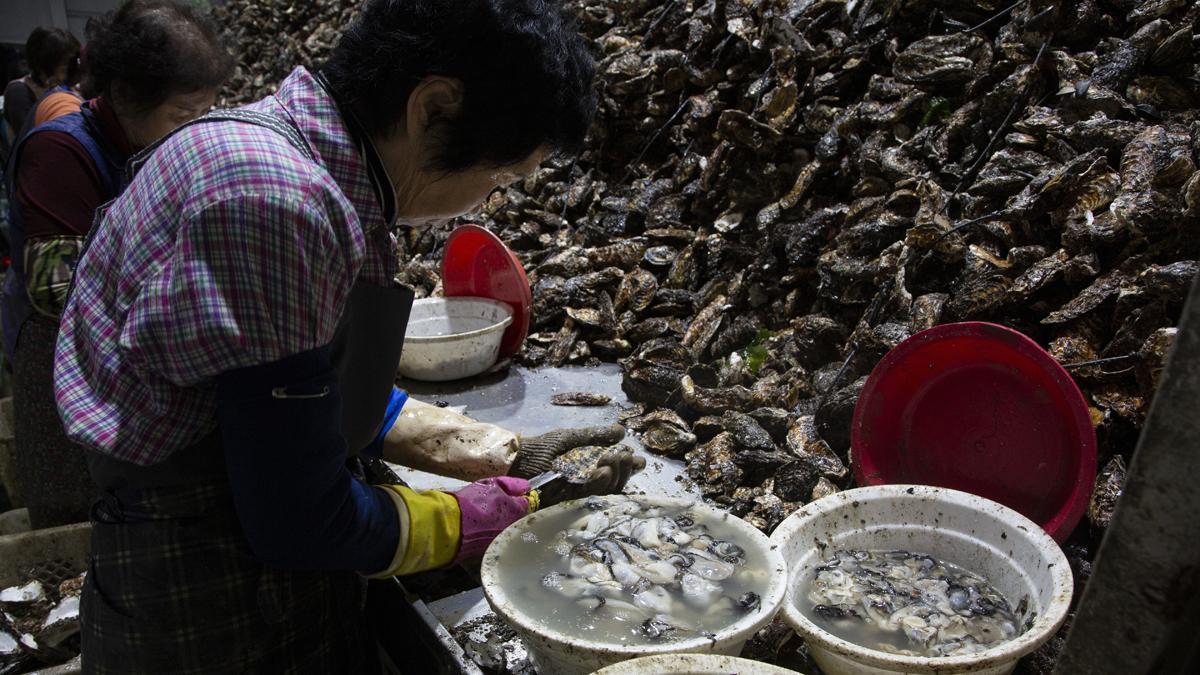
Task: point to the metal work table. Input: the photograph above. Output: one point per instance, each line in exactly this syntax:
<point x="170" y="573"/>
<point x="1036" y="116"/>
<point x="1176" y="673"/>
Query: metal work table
<point x="519" y="399"/>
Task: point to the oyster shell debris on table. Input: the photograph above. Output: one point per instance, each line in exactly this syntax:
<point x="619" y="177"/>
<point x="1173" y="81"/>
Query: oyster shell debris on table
<point x="39" y="623"/>
<point x="580" y="398"/>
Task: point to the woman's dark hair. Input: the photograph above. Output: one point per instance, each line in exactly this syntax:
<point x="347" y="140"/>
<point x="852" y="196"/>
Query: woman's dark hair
<point x="47" y="49"/>
<point x="526" y="74"/>
<point x="149" y="50"/>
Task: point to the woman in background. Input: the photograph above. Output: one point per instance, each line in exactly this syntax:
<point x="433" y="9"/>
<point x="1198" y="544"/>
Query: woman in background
<point x="154" y="65"/>
<point x="53" y="58"/>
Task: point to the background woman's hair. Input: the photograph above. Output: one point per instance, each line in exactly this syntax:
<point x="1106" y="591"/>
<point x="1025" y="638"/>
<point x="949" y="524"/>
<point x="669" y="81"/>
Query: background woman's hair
<point x="527" y="74"/>
<point x="146" y="51"/>
<point x="47" y="49"/>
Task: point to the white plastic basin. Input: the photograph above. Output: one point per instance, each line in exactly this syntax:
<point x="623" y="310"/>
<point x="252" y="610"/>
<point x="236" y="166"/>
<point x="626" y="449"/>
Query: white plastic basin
<point x="693" y="664"/>
<point x="555" y="653"/>
<point x="985" y="537"/>
<point x="453" y="338"/>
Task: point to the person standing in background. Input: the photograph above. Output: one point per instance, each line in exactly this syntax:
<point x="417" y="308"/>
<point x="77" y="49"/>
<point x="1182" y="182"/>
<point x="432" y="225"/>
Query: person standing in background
<point x="62" y="100"/>
<point x="53" y="58"/>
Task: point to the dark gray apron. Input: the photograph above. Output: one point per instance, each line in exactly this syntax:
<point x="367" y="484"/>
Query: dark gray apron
<point x="172" y="583"/>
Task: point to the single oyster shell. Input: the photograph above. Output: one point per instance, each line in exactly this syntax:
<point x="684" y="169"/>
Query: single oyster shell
<point x="577" y="464"/>
<point x="29" y="593"/>
<point x="580" y="398"/>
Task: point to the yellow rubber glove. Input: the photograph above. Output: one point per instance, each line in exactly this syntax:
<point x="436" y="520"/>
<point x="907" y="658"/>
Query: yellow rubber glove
<point x="430" y="530"/>
<point x="439" y="528"/>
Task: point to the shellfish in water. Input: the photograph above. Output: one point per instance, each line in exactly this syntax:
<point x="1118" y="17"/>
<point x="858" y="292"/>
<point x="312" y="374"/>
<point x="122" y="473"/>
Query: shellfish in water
<point x="908" y="603"/>
<point x="618" y="570"/>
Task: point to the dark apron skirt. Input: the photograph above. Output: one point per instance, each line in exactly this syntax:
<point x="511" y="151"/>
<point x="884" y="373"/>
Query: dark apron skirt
<point x="50" y="469"/>
<point x="177" y="590"/>
<point x="172" y="584"/>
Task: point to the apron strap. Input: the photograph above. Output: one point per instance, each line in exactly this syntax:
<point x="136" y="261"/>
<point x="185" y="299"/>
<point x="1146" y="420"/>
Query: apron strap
<point x="265" y="120"/>
<point x="366" y="351"/>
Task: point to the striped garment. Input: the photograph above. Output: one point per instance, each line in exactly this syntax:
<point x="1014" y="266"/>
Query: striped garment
<point x="229" y="249"/>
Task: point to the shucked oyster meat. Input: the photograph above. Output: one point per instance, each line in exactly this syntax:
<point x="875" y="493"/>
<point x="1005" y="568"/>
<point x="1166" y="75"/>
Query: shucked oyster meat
<point x="619" y="570"/>
<point x="908" y="603"/>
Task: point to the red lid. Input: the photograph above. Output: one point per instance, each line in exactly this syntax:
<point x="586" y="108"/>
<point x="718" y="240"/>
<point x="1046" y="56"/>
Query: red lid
<point x="478" y="264"/>
<point x="983" y="409"/>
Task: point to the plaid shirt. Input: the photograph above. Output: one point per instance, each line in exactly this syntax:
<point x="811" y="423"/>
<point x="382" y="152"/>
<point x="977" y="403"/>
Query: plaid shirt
<point x="229" y="249"/>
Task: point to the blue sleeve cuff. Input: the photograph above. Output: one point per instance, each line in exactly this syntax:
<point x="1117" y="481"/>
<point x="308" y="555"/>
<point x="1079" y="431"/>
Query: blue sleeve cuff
<point x="394" y="406"/>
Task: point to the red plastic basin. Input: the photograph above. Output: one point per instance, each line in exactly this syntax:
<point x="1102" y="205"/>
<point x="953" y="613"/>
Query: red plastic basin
<point x="478" y="264"/>
<point x="980" y="408"/>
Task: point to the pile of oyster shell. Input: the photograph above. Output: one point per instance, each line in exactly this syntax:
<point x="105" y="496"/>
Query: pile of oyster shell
<point x="775" y="194"/>
<point x="270" y="37"/>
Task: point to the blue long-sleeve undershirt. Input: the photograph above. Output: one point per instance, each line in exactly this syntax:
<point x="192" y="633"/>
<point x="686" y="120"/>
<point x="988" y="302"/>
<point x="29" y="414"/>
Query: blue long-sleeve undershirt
<point x="395" y="404"/>
<point x="299" y="506"/>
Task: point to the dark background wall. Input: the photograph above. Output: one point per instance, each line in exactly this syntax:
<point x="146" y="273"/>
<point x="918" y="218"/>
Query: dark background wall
<point x="19" y="17"/>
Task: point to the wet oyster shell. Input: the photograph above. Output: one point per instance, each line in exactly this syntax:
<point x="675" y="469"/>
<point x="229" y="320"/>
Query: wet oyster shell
<point x="668" y="439"/>
<point x="636" y="291"/>
<point x="577" y="464"/>
<point x="943" y="59"/>
<point x="717" y="400"/>
<point x="795" y="481"/>
<point x="712" y="466"/>
<point x="823" y="489"/>
<point x="1093" y="296"/>
<point x="805" y="443"/>
<point x="1152" y="357"/>
<point x="704" y="327"/>
<point x="580" y="398"/>
<point x="775" y="421"/>
<point x="927" y="310"/>
<point x="1109" y="484"/>
<point x="746" y="431"/>
<point x="657" y="385"/>
<point x="835" y="413"/>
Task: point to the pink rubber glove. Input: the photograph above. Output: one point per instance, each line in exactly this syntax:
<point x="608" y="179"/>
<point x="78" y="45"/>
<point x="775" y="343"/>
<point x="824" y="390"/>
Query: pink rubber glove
<point x="487" y="507"/>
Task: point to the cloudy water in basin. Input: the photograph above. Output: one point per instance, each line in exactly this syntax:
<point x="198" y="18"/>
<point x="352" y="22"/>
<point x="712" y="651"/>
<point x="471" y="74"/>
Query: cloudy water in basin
<point x="907" y="603"/>
<point x="619" y="571"/>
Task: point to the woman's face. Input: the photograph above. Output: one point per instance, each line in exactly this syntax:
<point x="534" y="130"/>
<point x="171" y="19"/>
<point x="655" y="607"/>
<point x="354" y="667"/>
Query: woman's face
<point x="179" y="109"/>
<point x="451" y="195"/>
<point x="58" y="75"/>
<point x="424" y="196"/>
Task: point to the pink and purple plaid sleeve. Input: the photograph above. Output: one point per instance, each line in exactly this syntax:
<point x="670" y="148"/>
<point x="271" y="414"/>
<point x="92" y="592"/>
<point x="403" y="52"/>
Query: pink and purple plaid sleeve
<point x="252" y="279"/>
<point x="230" y="249"/>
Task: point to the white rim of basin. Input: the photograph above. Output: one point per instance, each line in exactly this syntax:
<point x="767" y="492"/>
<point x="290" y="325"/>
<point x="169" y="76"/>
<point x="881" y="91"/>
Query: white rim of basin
<point x="692" y="663"/>
<point x="1055" y="612"/>
<point x="771" y="597"/>
<point x="429" y="339"/>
